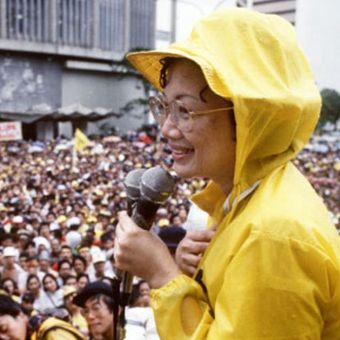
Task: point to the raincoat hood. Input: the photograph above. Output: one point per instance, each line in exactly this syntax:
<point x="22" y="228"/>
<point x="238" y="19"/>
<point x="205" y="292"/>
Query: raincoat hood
<point x="254" y="60"/>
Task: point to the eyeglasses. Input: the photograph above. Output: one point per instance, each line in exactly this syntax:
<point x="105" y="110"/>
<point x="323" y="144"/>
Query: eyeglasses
<point x="179" y="114"/>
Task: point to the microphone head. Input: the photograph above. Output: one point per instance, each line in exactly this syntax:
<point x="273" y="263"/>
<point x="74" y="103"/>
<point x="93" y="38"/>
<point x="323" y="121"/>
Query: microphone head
<point x="132" y="183"/>
<point x="156" y="185"/>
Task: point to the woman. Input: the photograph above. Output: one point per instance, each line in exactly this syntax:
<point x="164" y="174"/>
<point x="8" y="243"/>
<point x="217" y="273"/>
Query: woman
<point x="33" y="286"/>
<point x="52" y="295"/>
<point x="271" y="269"/>
<point x="140" y="322"/>
<point x="82" y="281"/>
<point x="10" y="287"/>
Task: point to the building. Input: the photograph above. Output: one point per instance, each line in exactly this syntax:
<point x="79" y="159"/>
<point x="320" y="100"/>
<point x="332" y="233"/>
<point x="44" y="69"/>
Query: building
<point x="58" y="54"/>
<point x="284" y="8"/>
<point x="316" y="23"/>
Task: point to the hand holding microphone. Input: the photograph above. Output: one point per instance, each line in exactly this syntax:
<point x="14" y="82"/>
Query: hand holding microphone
<point x="138" y="251"/>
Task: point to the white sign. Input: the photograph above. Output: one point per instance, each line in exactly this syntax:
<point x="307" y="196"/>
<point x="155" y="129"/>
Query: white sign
<point x="10" y="131"/>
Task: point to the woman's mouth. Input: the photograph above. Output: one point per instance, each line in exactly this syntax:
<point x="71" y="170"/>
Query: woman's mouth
<point x="180" y="153"/>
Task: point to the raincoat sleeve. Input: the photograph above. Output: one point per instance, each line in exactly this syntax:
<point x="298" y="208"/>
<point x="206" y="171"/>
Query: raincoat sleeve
<point x="181" y="309"/>
<point x="272" y="289"/>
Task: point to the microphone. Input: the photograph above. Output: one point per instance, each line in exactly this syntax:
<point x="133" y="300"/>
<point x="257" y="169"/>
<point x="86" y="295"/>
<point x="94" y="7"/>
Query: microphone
<point x="146" y="190"/>
<point x="156" y="185"/>
<point x="132" y="187"/>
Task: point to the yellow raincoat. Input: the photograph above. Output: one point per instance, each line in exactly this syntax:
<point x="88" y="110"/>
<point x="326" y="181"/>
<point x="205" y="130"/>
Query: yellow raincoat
<point x="55" y="329"/>
<point x="272" y="270"/>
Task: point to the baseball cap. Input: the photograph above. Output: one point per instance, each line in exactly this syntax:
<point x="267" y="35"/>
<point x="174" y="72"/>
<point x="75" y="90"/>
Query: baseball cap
<point x="98" y="257"/>
<point x="90" y="290"/>
<point x="172" y="235"/>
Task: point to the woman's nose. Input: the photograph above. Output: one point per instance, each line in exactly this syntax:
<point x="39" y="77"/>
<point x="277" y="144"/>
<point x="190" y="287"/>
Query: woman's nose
<point x="169" y="128"/>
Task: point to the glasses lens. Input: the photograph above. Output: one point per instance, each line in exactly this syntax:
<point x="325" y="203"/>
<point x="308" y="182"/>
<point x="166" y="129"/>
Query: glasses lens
<point x="181" y="116"/>
<point x="157" y="108"/>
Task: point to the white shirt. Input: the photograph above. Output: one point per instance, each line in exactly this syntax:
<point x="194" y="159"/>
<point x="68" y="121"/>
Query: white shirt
<point x="50" y="300"/>
<point x="140" y="324"/>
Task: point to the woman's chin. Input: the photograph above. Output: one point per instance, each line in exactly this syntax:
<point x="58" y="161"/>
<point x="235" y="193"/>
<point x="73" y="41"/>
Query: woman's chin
<point x="183" y="171"/>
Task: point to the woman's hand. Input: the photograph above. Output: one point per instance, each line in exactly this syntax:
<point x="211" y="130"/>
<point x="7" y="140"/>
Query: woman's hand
<point x="191" y="249"/>
<point x="142" y="253"/>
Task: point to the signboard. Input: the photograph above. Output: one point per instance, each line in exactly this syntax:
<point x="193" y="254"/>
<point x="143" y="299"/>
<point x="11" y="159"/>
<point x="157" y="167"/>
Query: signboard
<point x="10" y="131"/>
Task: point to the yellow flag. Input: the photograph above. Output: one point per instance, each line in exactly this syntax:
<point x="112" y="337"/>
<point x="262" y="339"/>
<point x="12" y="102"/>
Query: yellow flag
<point x="80" y="140"/>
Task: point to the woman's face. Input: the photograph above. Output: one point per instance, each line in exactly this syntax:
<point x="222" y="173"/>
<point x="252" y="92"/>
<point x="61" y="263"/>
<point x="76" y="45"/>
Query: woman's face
<point x="9" y="286"/>
<point x="82" y="282"/>
<point x="208" y="150"/>
<point x="33" y="285"/>
<point x="50" y="284"/>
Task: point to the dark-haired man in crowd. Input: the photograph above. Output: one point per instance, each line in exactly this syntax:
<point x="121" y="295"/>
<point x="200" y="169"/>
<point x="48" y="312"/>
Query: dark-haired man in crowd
<point x="97" y="301"/>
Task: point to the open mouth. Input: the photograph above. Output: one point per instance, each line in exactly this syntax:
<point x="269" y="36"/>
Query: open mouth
<point x="179" y="153"/>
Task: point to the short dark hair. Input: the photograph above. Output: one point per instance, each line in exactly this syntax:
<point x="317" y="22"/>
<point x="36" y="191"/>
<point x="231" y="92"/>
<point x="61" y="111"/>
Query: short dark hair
<point x="71" y="276"/>
<point x="107" y="301"/>
<point x="83" y="275"/>
<point x="9" y="306"/>
<point x="60" y="263"/>
<point x="81" y="258"/>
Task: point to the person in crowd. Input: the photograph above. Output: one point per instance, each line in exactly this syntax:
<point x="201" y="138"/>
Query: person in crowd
<point x="10" y="268"/>
<point x="70" y="280"/>
<point x="14" y="324"/>
<point x="10" y="287"/>
<point x="237" y="103"/>
<point x="55" y="251"/>
<point x="172" y="236"/>
<point x="139" y="318"/>
<point x="64" y="270"/>
<point x="97" y="302"/>
<point x="66" y="253"/>
<point x="33" y="286"/>
<point x="99" y="261"/>
<point x="44" y="263"/>
<point x="27" y="304"/>
<point x="23" y="260"/>
<point x="77" y="319"/>
<point x="82" y="280"/>
<point x="79" y="264"/>
<point x="52" y="294"/>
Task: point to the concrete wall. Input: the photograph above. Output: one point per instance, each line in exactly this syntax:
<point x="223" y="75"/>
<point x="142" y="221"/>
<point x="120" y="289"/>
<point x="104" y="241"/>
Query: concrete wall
<point x="28" y="82"/>
<point x="100" y="89"/>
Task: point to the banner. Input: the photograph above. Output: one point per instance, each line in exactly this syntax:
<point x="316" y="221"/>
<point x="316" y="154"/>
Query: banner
<point x="10" y="131"/>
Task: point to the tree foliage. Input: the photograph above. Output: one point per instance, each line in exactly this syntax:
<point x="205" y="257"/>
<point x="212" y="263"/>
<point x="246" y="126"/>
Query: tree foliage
<point x="330" y="111"/>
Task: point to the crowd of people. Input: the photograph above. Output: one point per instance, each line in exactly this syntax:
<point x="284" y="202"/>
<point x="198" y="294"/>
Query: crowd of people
<point x="58" y="214"/>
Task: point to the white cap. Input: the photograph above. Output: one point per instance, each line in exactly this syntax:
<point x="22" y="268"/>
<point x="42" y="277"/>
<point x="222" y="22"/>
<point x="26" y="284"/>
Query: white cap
<point x="42" y="241"/>
<point x="54" y="226"/>
<point x="73" y="239"/>
<point x="10" y="251"/>
<point x="73" y="221"/>
<point x="98" y="257"/>
<point x="18" y="219"/>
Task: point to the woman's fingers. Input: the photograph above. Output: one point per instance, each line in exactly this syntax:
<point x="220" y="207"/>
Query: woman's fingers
<point x="191" y="248"/>
<point x="200" y="235"/>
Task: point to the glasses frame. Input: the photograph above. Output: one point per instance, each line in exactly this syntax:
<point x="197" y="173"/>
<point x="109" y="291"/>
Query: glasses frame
<point x="160" y="119"/>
